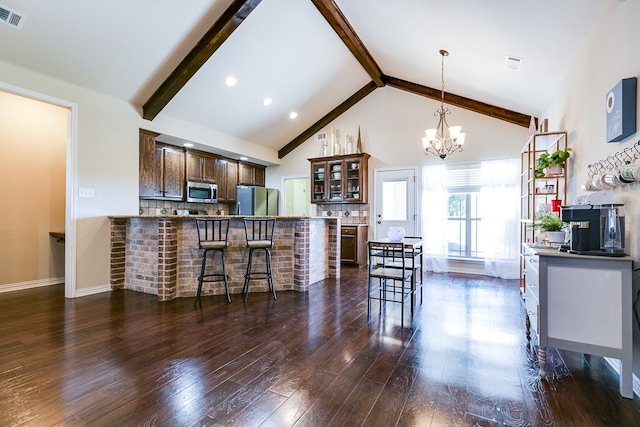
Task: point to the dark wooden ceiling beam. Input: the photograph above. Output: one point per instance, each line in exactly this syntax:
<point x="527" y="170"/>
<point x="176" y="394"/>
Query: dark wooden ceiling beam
<point x="235" y="14"/>
<point x="328" y="118"/>
<point x="462" y="102"/>
<point x="343" y="29"/>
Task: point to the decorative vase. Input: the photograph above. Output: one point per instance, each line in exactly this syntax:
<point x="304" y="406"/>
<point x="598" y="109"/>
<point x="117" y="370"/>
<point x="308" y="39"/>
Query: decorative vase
<point x="348" y="145"/>
<point x="359" y="143"/>
<point x="395" y="234"/>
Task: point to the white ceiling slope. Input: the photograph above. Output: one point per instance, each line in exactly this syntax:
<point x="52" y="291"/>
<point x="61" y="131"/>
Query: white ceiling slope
<point x="287" y="51"/>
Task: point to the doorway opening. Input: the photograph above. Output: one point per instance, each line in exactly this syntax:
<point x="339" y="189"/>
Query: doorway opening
<point x="66" y="120"/>
<point x="296" y="196"/>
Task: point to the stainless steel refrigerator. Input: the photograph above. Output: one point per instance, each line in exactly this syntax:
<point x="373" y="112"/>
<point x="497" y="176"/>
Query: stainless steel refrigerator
<point x="252" y="200"/>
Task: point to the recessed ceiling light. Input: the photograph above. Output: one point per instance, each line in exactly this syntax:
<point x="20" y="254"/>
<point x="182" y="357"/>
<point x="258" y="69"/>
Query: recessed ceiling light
<point x="188" y="144"/>
<point x="231" y="81"/>
<point x="267" y="101"/>
<point x="244" y="158"/>
<point x="293" y="115"/>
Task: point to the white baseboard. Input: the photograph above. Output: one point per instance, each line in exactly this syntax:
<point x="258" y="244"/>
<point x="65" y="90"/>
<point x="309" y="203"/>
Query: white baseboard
<point x="615" y="364"/>
<point x="53" y="281"/>
<point x="31" y="284"/>
<point x="93" y="290"/>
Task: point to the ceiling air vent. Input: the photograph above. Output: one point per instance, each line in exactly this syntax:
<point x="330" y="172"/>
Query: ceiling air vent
<point x="513" y="63"/>
<point x="11" y="17"/>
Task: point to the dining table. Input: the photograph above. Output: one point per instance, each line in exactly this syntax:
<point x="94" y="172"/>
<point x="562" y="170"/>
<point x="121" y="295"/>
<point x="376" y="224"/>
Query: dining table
<point x="413" y="251"/>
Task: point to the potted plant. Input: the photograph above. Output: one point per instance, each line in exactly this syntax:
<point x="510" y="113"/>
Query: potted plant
<point x="548" y="160"/>
<point x="552" y="225"/>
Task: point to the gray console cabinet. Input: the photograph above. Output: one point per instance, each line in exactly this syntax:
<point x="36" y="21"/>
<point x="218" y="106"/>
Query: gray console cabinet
<point x="585" y="305"/>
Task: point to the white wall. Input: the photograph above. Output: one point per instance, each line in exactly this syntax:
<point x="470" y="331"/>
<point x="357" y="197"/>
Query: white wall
<point x="610" y="54"/>
<point x="392" y="123"/>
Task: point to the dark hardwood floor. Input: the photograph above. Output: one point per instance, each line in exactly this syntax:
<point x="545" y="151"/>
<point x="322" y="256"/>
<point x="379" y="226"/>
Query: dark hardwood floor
<point x="312" y="359"/>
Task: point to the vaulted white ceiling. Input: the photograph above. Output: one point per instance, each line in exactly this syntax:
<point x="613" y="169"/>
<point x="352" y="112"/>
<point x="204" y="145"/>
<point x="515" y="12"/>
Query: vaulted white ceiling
<point x="286" y="50"/>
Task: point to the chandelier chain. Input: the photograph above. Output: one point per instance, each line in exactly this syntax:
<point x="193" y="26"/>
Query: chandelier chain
<point x="442" y="78"/>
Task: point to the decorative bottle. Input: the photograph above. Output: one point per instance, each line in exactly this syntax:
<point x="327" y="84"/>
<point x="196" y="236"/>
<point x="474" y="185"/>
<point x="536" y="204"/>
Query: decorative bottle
<point x="348" y="145"/>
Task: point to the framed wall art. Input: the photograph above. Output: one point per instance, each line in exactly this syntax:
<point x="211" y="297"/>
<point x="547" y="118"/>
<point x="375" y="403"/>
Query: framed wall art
<point x="621" y="110"/>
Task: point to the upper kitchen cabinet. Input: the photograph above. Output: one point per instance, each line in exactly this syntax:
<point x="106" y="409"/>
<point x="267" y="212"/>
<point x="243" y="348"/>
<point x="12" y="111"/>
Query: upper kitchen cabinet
<point x="201" y="167"/>
<point x="251" y="174"/>
<point x="161" y="169"/>
<point x="227" y="180"/>
<point x="169" y="182"/>
<point x="339" y="179"/>
<point x="147" y="164"/>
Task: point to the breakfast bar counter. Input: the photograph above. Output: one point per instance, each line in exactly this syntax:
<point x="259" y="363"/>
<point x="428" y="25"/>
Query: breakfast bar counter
<point x="159" y="254"/>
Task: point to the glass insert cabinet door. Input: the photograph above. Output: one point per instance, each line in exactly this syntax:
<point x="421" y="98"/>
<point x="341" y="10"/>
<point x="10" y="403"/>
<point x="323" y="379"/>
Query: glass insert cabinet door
<point x="352" y="184"/>
<point x="318" y="177"/>
<point x="335" y="180"/>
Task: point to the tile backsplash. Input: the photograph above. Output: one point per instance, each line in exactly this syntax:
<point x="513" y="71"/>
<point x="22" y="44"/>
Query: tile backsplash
<point x="167" y="207"/>
<point x="349" y="213"/>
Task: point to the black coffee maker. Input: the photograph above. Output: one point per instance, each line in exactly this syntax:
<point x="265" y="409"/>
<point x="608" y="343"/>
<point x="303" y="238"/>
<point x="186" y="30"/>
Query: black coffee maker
<point x="595" y="229"/>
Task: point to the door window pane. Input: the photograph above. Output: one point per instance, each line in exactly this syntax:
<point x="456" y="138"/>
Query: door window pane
<point x="394" y="194"/>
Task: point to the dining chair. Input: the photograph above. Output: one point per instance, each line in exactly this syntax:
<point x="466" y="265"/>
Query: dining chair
<point x="390" y="278"/>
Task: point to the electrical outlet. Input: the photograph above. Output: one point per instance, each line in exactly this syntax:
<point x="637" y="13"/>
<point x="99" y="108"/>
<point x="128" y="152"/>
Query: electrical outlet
<point x="85" y="192"/>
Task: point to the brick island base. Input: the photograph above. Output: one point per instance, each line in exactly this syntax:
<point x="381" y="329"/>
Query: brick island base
<point x="159" y="255"/>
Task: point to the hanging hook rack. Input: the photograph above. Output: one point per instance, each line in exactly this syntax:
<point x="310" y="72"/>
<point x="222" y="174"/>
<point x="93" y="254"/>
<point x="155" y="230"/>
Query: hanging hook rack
<point x="619" y="158"/>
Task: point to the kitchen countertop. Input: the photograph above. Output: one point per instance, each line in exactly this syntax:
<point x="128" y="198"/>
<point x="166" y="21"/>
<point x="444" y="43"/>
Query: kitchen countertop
<point x="554" y="252"/>
<point x="220" y="216"/>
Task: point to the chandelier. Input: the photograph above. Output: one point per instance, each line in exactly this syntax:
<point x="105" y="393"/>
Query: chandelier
<point x="444" y="139"/>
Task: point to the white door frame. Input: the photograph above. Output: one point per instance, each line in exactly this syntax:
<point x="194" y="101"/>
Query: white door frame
<point x="71" y="168"/>
<point x="416" y="197"/>
<point x="283" y="201"/>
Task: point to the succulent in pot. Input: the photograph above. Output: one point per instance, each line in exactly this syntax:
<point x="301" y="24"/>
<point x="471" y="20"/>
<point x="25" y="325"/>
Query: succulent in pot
<point x="548" y="221"/>
<point x="552" y="225"/>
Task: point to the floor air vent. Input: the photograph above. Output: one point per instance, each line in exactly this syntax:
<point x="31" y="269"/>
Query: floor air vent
<point x="11" y="17"/>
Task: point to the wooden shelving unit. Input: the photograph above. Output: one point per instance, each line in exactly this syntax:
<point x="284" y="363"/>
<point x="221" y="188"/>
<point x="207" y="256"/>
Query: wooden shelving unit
<point x="538" y="194"/>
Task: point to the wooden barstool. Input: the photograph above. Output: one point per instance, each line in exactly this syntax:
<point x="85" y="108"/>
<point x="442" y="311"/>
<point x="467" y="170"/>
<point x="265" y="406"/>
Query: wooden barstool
<point x="213" y="237"/>
<point x="259" y="234"/>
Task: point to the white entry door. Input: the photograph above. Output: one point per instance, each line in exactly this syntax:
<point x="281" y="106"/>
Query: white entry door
<point x="395" y="201"/>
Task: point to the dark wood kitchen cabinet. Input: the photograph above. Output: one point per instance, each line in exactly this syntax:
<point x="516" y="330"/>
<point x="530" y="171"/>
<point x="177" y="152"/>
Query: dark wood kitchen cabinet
<point x="169" y="172"/>
<point x="161" y="169"/>
<point x="353" y="244"/>
<point x="201" y="167"/>
<point x="339" y="179"/>
<point x="251" y="174"/>
<point x="147" y="164"/>
<point x="227" y="180"/>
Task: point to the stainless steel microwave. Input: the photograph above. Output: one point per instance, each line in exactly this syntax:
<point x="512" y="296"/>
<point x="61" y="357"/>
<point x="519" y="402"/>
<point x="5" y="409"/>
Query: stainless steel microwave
<point x="201" y="192"/>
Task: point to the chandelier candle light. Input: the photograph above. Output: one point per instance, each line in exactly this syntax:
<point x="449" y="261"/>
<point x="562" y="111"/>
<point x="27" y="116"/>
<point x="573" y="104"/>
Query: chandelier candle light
<point x="444" y="139"/>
